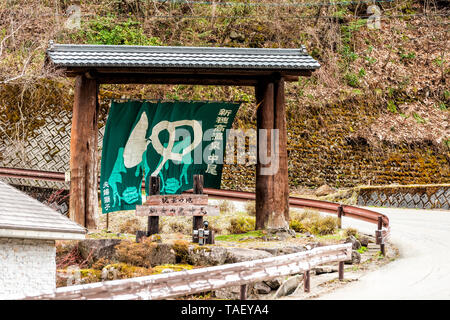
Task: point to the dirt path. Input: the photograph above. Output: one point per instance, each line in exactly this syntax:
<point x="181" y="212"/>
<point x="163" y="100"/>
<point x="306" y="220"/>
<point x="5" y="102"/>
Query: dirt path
<point x="422" y="271"/>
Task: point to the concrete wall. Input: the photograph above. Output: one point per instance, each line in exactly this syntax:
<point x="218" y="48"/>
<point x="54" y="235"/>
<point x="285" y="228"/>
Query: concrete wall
<point x="27" y="267"/>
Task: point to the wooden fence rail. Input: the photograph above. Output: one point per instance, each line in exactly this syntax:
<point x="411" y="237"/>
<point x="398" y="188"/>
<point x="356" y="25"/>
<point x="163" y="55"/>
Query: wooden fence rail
<point x="182" y="283"/>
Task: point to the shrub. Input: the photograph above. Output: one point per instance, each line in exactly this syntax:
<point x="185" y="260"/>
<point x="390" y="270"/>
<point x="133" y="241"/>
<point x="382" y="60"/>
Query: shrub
<point x="297" y="226"/>
<point x="351" y="232"/>
<point x="241" y="225"/>
<point x="130" y="226"/>
<point x="106" y="30"/>
<point x="326" y="225"/>
<point x="135" y="253"/>
<point x="250" y="208"/>
<point x="181" y="251"/>
<point x="352" y="80"/>
<point x="100" y="263"/>
<point x="312" y="222"/>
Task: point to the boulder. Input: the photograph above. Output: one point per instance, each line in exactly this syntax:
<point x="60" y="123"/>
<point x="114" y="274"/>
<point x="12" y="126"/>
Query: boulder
<point x="288" y="286"/>
<point x="163" y="253"/>
<point x="356" y="258"/>
<point x="261" y="288"/>
<point x="96" y="249"/>
<point x="324" y="190"/>
<point x="355" y="242"/>
<point x="278" y="251"/>
<point x="281" y="233"/>
<point x="242" y="254"/>
<point x="207" y="255"/>
<point x="364" y="240"/>
<point x="325" y="269"/>
<point x="274" y="284"/>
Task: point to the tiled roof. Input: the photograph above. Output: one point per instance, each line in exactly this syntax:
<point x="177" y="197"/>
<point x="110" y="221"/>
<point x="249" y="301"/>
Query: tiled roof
<point x="23" y="216"/>
<point x="71" y="55"/>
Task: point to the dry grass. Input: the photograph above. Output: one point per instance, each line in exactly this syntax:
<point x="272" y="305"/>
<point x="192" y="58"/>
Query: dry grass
<point x="136" y="254"/>
<point x="242" y="224"/>
<point x="131" y="226"/>
<point x="312" y="222"/>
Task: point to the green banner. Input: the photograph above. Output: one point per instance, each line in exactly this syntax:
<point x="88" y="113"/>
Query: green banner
<point x="172" y="140"/>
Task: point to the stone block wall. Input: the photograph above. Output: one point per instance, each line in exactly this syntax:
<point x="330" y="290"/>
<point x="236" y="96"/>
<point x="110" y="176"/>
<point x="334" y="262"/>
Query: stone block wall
<point x="321" y="150"/>
<point x="27" y="267"/>
<point x="421" y="197"/>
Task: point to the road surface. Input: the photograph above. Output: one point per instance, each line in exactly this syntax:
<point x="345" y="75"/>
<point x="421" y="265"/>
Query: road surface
<point x="422" y="271"/>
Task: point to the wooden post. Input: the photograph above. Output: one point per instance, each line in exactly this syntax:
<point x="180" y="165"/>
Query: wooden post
<point x="306" y="281"/>
<point x="197" y="221"/>
<point x="243" y="293"/>
<point x="264" y="183"/>
<point x="341" y="270"/>
<point x="83" y="154"/>
<point x="340" y="212"/>
<point x="380" y="235"/>
<point x="281" y="178"/>
<point x="153" y="221"/>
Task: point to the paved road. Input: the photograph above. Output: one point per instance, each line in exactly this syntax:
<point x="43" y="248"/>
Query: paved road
<point x="423" y="269"/>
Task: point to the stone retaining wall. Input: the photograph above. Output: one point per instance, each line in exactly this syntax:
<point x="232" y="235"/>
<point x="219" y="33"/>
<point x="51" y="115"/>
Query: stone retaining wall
<point x="422" y="197"/>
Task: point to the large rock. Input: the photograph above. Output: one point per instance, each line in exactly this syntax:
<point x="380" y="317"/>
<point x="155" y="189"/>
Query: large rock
<point x="356" y="258"/>
<point x="163" y="253"/>
<point x="242" y="254"/>
<point x="288" y="286"/>
<point x="364" y="240"/>
<point x="355" y="242"/>
<point x="274" y="284"/>
<point x="261" y="288"/>
<point x="95" y="249"/>
<point x="281" y="233"/>
<point x="278" y="251"/>
<point x="325" y="269"/>
<point x="324" y="190"/>
<point x="207" y="255"/>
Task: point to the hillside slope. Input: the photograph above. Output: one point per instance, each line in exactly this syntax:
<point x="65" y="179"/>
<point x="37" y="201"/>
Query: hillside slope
<point x="377" y="112"/>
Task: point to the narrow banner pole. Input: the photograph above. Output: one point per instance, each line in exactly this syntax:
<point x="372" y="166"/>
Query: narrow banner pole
<point x="197" y="221"/>
<point x="153" y="221"/>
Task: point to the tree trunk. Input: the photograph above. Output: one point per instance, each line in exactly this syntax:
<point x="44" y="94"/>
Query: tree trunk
<point x="84" y="154"/>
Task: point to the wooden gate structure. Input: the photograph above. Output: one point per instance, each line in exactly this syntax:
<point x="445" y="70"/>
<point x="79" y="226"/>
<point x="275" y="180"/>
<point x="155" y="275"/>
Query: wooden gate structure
<point x="266" y="70"/>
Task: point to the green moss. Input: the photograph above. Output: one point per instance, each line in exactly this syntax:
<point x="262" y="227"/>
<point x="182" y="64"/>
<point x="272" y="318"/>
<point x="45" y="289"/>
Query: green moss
<point x="126" y="271"/>
<point x="362" y="249"/>
<point x="204" y="248"/>
<point x="174" y="267"/>
<point x="237" y="237"/>
<point x="181" y="251"/>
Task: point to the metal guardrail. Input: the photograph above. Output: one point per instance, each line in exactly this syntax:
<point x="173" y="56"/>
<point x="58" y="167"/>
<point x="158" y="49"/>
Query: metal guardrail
<point x="383" y="228"/>
<point x="182" y="283"/>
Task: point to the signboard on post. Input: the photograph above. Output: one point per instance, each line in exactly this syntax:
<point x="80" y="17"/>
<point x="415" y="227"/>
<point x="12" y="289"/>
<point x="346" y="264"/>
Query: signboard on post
<point x="171" y="140"/>
<point x="177" y="200"/>
<point x="169" y="210"/>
